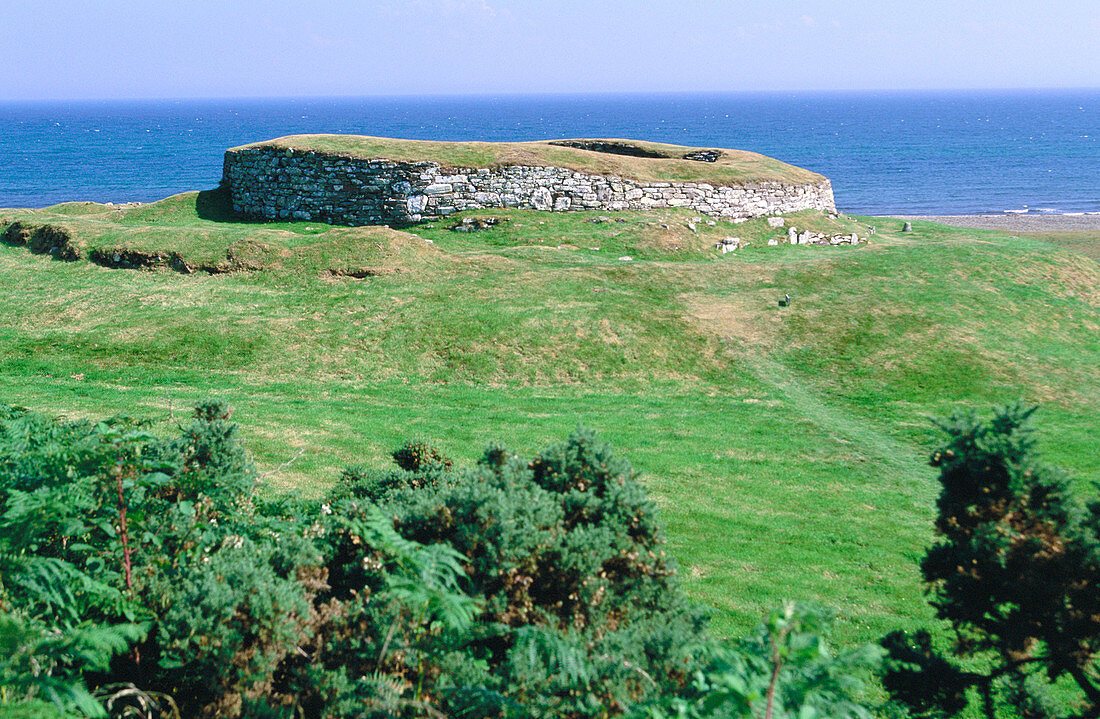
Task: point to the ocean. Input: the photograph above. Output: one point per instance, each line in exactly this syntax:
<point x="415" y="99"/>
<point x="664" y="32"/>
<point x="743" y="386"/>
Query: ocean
<point x="945" y="152"/>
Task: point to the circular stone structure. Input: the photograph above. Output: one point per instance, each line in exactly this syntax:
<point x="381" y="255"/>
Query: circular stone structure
<point x="356" y="180"/>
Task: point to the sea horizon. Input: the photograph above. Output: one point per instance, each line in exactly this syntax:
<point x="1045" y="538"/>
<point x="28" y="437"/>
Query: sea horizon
<point x="887" y="152"/>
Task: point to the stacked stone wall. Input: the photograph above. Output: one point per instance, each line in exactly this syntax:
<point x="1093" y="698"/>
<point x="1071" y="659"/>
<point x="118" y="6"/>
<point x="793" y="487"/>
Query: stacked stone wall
<point x="277" y="183"/>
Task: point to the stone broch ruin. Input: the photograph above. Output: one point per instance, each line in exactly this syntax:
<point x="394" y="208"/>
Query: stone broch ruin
<point x="272" y="182"/>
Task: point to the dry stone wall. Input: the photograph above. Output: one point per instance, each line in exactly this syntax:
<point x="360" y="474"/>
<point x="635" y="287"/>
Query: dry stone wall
<point x="277" y="183"/>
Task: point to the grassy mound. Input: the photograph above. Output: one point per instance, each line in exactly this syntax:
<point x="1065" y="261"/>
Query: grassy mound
<point x="198" y="231"/>
<point x="667" y="165"/>
<point x="785" y="445"/>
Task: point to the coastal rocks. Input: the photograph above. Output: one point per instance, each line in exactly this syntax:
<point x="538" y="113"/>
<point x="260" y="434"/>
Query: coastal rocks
<point x="276" y="183"/>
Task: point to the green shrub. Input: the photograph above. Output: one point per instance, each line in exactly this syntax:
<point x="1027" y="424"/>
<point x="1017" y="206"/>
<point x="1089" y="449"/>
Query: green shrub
<point x="1015" y="574"/>
<point x="578" y="609"/>
<point x="141" y="574"/>
<point x="372" y="485"/>
<point x="418" y="456"/>
<point x="785" y="670"/>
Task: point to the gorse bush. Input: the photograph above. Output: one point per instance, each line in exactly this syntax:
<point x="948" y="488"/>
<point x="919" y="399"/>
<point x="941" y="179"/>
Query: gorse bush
<point x="1016" y="575"/>
<point x="418" y="455"/>
<point x="142" y="576"/>
<point x="566" y="573"/>
<point x="572" y="618"/>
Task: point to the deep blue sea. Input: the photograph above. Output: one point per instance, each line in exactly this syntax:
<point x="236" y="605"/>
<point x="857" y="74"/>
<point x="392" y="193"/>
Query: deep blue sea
<point x="886" y="152"/>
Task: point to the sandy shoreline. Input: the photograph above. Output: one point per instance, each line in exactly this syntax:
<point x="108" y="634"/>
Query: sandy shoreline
<point x="1014" y="223"/>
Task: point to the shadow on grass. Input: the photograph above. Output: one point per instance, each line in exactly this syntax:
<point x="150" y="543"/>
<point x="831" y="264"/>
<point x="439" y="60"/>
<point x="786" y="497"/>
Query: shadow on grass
<point x="217" y="206"/>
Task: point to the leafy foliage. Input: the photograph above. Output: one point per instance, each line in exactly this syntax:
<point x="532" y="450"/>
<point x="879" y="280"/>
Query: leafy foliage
<point x="578" y="610"/>
<point x="786" y="669"/>
<point x="141" y="576"/>
<point x="1015" y="574"/>
<point x="418" y="455"/>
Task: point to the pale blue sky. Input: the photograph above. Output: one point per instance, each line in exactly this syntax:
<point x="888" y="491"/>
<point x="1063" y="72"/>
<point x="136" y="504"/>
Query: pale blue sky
<point x="62" y="49"/>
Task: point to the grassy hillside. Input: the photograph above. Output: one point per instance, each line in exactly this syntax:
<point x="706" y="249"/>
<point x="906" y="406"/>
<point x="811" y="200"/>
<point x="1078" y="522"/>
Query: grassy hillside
<point x="731" y="167"/>
<point x="785" y="445"/>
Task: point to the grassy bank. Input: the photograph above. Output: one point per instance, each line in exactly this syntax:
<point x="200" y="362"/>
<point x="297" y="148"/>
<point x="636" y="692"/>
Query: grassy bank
<point x="785" y="445"/>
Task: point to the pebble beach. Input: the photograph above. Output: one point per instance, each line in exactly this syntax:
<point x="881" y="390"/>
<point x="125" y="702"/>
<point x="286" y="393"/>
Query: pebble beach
<point x="1015" y="222"/>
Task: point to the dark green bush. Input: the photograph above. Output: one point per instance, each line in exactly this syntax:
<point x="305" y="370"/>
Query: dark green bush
<point x="1015" y="574"/>
<point x="141" y="573"/>
<point x="562" y="578"/>
<point x="372" y="485"/>
<point x="418" y="456"/>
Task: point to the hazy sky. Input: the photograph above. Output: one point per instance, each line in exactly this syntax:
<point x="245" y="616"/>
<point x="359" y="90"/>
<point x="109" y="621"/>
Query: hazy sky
<point x="60" y="49"/>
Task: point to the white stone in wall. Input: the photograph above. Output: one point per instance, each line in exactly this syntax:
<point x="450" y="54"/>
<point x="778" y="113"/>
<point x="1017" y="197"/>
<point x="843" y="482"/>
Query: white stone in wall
<point x="488" y="199"/>
<point x="541" y="199"/>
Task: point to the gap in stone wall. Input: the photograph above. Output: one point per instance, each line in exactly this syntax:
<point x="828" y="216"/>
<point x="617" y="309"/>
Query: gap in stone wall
<point x="611" y="148"/>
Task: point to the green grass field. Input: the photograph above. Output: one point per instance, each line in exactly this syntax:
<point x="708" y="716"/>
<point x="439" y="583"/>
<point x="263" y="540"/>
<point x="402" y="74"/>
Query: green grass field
<point x="786" y="446"/>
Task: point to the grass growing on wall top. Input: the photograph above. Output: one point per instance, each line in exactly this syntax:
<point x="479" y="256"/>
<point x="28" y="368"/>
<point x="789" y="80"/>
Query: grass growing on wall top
<point x="732" y="167"/>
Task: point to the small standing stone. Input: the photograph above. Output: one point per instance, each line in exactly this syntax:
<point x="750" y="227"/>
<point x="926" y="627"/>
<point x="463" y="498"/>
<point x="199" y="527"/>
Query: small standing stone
<point x="907" y="227"/>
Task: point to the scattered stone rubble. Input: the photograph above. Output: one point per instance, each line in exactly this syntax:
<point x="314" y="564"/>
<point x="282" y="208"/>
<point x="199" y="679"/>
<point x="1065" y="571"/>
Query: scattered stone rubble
<point x="728" y="244"/>
<point x="476" y="224"/>
<point x="275" y="183"/>
<point x="807" y="237"/>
